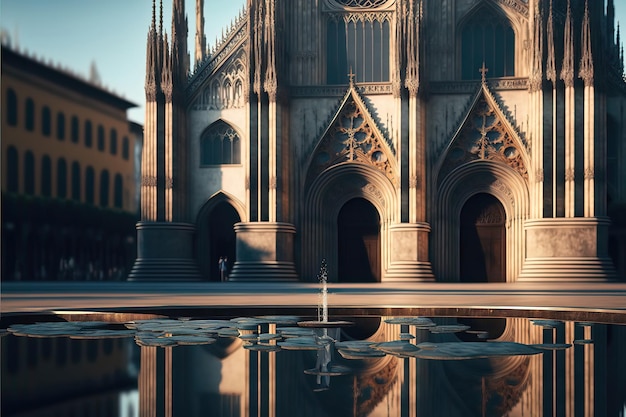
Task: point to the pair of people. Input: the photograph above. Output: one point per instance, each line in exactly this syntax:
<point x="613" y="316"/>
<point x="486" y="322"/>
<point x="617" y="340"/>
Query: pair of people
<point x="223" y="267"/>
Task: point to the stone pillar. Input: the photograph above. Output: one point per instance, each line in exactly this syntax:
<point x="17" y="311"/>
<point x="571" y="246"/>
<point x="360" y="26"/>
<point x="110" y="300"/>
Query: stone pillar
<point x="409" y="253"/>
<point x="265" y="252"/>
<point x="165" y="253"/>
<point x="155" y="382"/>
<point x="567" y="249"/>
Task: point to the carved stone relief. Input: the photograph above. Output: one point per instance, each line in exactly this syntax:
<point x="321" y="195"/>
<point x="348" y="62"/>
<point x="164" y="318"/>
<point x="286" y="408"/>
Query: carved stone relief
<point x="485" y="136"/>
<point x="226" y="89"/>
<point x="352" y="138"/>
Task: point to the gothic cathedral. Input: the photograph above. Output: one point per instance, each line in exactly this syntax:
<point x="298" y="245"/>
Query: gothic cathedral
<point x="394" y="140"/>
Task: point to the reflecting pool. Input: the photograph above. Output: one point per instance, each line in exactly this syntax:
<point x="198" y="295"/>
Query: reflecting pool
<point x="282" y="365"/>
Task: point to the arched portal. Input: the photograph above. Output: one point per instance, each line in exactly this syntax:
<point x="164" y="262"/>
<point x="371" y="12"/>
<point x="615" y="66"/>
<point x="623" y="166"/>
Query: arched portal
<point x="216" y="236"/>
<point x="358" y="226"/>
<point x="483" y="240"/>
<point x="222" y="237"/>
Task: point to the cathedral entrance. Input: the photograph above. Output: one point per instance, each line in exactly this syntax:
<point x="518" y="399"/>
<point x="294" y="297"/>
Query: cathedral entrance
<point x="221" y="240"/>
<point x="483" y="247"/>
<point x="358" y="230"/>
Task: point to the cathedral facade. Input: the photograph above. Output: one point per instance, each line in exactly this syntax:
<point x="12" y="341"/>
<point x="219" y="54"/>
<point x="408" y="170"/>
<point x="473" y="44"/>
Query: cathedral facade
<point x="392" y="140"/>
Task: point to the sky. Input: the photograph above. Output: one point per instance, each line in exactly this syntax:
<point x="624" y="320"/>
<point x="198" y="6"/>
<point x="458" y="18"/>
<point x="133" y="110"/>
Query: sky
<point x="75" y="34"/>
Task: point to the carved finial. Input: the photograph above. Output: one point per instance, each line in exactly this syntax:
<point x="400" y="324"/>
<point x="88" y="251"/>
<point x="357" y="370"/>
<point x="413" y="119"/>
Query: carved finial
<point x="161" y="17"/>
<point x="586" y="60"/>
<point x="567" y="71"/>
<point x="154" y="14"/>
<point x="351" y="76"/>
<point x="483" y="72"/>
<point x="551" y="65"/>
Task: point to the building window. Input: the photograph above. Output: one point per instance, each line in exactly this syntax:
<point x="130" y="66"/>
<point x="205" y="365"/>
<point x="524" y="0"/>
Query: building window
<point x="12" y="170"/>
<point x="125" y="148"/>
<point x="487" y="38"/>
<point x="113" y="143"/>
<point x="11" y="107"/>
<point x="46" y="122"/>
<point x="75" y="129"/>
<point x="30" y="114"/>
<point x="118" y="191"/>
<point x="220" y="145"/>
<point x="76" y="176"/>
<point x="62" y="178"/>
<point x="60" y="126"/>
<point x="360" y="45"/>
<point x="29" y="173"/>
<point x="104" y="188"/>
<point x="100" y="138"/>
<point x="88" y="134"/>
<point x="89" y="185"/>
<point x="46" y="176"/>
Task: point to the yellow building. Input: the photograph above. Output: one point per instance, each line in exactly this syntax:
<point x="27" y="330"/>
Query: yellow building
<point x="69" y="163"/>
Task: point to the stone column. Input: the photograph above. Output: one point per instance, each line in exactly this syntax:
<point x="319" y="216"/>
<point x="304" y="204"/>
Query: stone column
<point x="165" y="253"/>
<point x="409" y="253"/>
<point x="264" y="252"/>
<point x="567" y="249"/>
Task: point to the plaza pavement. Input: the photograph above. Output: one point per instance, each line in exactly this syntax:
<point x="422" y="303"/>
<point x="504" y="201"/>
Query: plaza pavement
<point x="577" y="301"/>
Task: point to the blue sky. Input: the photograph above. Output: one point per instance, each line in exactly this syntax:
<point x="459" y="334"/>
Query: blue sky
<point x="112" y="33"/>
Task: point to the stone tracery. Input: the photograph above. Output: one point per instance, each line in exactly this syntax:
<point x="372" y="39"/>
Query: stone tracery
<point x="485" y="136"/>
<point x="352" y="138"/>
<point x="226" y="90"/>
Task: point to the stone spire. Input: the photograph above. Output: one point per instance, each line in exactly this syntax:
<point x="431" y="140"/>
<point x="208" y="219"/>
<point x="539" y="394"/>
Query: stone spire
<point x="200" y="38"/>
<point x="412" y="68"/>
<point x="551" y="64"/>
<point x="270" y="83"/>
<point x="152" y="59"/>
<point x="586" y="60"/>
<point x="567" y="71"/>
<point x="536" y="75"/>
<point x="180" y="54"/>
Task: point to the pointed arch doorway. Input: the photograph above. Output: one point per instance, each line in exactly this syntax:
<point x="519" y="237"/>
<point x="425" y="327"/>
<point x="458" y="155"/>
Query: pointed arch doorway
<point x="483" y="240"/>
<point x="216" y="238"/>
<point x="358" y="232"/>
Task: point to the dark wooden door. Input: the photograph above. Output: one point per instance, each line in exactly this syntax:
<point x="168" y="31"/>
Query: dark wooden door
<point x="358" y="232"/>
<point x="483" y="244"/>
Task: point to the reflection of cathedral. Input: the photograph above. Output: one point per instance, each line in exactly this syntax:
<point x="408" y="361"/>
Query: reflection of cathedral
<point x="227" y="379"/>
<point x="400" y="140"/>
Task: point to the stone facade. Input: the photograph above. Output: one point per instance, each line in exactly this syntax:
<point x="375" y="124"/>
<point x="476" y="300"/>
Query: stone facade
<point x="368" y="133"/>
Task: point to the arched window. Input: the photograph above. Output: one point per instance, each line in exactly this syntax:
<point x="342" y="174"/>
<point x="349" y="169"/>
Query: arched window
<point x="101" y="145"/>
<point x="125" y="148"/>
<point x="46" y="176"/>
<point x="60" y="126"/>
<point x="89" y="185"/>
<point x="488" y="38"/>
<point x="76" y="176"/>
<point x="29" y="173"/>
<point x="75" y="129"/>
<point x="13" y="183"/>
<point x="88" y="134"/>
<point x="220" y="145"/>
<point x="118" y="191"/>
<point x="30" y="114"/>
<point x="11" y="107"/>
<point x="113" y="144"/>
<point x="104" y="188"/>
<point x="46" y="121"/>
<point x="61" y="178"/>
<point x="238" y="93"/>
<point x="358" y="45"/>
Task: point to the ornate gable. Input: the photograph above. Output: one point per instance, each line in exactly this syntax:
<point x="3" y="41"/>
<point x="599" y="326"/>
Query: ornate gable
<point x="485" y="134"/>
<point x="220" y="80"/>
<point x="352" y="136"/>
